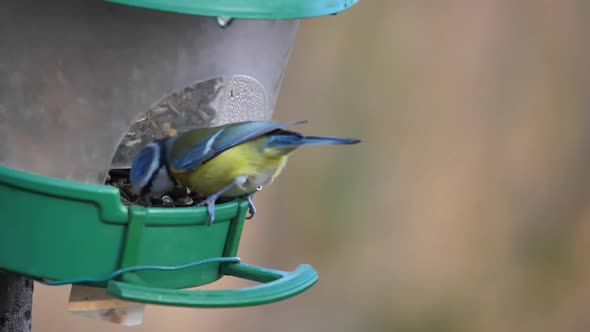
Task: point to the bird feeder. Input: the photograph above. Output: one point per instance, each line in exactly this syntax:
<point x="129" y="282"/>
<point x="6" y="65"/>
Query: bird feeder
<point x="84" y="84"/>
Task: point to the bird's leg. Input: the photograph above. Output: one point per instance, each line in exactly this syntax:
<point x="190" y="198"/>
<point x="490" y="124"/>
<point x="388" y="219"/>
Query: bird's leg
<point x="210" y="201"/>
<point x="251" y="207"/>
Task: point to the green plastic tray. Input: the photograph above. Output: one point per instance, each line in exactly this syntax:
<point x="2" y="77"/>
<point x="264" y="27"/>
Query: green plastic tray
<point x="250" y="9"/>
<point x="52" y="229"/>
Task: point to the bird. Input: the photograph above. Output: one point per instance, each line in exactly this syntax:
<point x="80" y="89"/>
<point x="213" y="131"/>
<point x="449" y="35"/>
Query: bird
<point x="231" y="160"/>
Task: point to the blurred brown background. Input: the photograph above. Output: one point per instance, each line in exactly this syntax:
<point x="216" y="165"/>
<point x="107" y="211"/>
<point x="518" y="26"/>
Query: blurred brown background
<point x="465" y="208"/>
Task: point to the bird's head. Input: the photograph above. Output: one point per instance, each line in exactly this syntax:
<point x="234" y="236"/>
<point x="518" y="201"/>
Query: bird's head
<point x="149" y="173"/>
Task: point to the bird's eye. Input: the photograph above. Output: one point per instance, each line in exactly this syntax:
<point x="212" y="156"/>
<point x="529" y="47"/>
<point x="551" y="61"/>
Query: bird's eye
<point x="259" y="188"/>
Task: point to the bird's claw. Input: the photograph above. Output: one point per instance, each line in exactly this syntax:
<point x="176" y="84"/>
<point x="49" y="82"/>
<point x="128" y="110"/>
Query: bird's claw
<point x="210" y="202"/>
<point x="251" y="207"/>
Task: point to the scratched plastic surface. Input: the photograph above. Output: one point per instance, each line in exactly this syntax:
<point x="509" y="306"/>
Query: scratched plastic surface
<point x="244" y="99"/>
<point x="76" y="75"/>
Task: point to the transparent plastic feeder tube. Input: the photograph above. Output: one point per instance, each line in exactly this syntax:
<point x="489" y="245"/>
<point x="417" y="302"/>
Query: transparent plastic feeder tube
<point x="80" y="78"/>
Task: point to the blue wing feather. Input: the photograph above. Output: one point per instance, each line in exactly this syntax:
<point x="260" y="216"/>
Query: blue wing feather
<point x="220" y="140"/>
<point x="196" y="154"/>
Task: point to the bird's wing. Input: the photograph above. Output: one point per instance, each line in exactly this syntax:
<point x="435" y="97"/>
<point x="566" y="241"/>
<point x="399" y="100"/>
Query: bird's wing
<point x="197" y="146"/>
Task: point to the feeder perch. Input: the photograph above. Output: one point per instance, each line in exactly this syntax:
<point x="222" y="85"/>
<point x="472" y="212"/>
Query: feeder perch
<point x="85" y="84"/>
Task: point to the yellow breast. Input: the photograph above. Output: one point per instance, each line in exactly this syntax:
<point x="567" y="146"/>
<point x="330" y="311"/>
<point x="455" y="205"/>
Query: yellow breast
<point x="260" y="166"/>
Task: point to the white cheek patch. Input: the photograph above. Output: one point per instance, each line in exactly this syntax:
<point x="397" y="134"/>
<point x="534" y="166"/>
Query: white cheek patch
<point x="146" y="163"/>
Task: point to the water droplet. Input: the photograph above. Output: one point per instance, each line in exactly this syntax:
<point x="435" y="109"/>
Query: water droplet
<point x="224" y="21"/>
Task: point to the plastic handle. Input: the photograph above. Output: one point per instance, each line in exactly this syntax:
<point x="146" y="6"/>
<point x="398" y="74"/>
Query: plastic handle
<point x="277" y="285"/>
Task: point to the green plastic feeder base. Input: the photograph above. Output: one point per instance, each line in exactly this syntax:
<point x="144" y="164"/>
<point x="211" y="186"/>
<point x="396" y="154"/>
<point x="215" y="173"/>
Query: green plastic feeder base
<point x="251" y="9"/>
<point x="56" y="230"/>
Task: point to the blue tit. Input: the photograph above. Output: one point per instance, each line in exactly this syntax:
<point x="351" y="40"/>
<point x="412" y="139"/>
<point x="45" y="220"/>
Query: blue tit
<point x="231" y="160"/>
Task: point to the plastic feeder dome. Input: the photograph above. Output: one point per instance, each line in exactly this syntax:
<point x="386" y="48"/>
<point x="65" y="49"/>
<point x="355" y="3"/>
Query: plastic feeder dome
<point x="84" y="85"/>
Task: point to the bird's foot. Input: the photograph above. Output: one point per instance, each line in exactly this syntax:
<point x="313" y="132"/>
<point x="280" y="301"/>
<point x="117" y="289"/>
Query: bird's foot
<point x="210" y="202"/>
<point x="251" y="207"/>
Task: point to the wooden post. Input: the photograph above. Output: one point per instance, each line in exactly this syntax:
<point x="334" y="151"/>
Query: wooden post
<point x="16" y="302"/>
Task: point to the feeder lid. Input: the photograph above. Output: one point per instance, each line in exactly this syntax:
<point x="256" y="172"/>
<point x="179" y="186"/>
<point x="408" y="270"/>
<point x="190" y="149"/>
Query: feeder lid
<point x="251" y="9"/>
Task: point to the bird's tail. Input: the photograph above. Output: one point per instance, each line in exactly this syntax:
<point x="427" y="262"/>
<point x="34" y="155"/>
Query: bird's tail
<point x="282" y="142"/>
<point x="283" y="139"/>
<point x="316" y="140"/>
